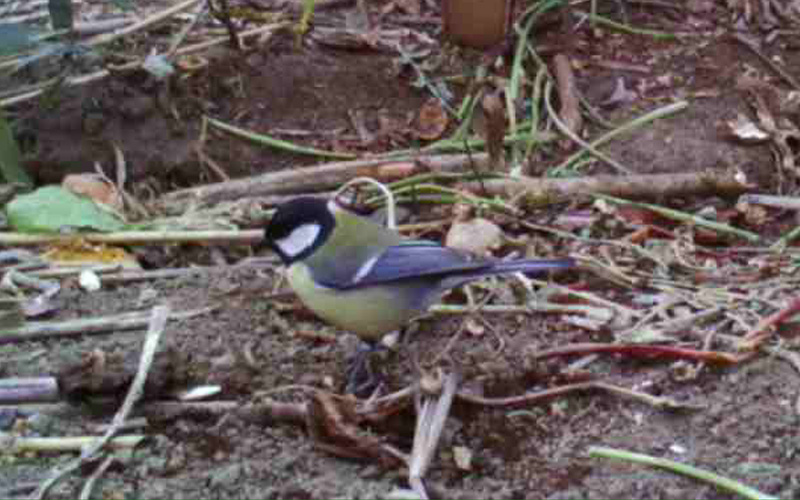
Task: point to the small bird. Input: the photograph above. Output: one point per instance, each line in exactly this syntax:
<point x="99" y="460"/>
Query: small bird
<point x="365" y="278"/>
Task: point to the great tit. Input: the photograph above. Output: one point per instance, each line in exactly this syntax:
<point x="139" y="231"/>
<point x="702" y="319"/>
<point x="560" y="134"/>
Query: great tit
<point x="365" y="278"/>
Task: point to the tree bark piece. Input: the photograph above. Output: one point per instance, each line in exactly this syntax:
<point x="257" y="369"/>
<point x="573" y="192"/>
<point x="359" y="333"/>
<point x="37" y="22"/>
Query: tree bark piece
<point x="316" y="178"/>
<point x="540" y="192"/>
<point x="569" y="112"/>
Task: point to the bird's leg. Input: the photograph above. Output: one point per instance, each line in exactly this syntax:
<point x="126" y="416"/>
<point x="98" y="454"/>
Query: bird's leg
<point x="361" y="380"/>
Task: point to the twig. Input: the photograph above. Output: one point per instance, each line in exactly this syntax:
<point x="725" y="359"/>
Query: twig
<point x="647" y="351"/>
<point x="626" y="313"/>
<point x="100" y="26"/>
<point x="158" y="321"/>
<point x="247" y="237"/>
<point x="791" y="357"/>
<point x="316" y="178"/>
<point x="752" y="45"/>
<point x="144" y="23"/>
<point x="131" y="423"/>
<point x="28" y="390"/>
<point x="181" y="36"/>
<point x="764" y="329"/>
<point x="67" y="270"/>
<point x="622" y="28"/>
<point x="684" y="217"/>
<point x="527" y="398"/>
<point x="430" y="422"/>
<point x="99" y="75"/>
<point x="71" y="443"/>
<point x="65" y="410"/>
<point x="50" y="329"/>
<point x="680" y="468"/>
<point x="564" y="128"/>
<point x="624" y="129"/>
<point x="89" y="485"/>
<point x="569" y="112"/>
<point x="113" y="273"/>
<point x="661" y="402"/>
<point x="547" y="394"/>
<point x="265" y="409"/>
<point x="787" y="202"/>
<point x="276" y="143"/>
<point x="452" y="309"/>
<point x="130" y="276"/>
<point x="543" y="191"/>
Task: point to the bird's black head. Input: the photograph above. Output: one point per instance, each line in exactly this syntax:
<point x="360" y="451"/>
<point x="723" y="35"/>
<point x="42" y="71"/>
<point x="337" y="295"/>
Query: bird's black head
<point x="299" y="227"/>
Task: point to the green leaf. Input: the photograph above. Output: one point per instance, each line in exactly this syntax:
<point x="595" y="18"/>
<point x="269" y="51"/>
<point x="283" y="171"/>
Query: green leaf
<point x="15" y="38"/>
<point x="10" y="168"/>
<point x="52" y="209"/>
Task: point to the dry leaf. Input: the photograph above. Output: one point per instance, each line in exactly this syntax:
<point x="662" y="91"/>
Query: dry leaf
<point x="745" y="130"/>
<point x="494" y="115"/>
<point x="78" y="252"/>
<point x="462" y="456"/>
<point x="754" y="215"/>
<point x="411" y="7"/>
<point x="432" y="120"/>
<point x="394" y="171"/>
<point x="474" y="328"/>
<point x="477" y="236"/>
<point x="620" y="95"/>
<point x="95" y="187"/>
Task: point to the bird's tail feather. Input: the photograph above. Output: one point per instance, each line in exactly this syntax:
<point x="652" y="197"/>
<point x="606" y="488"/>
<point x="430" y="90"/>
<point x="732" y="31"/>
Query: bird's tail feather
<point x="524" y="266"/>
<point x="531" y="266"/>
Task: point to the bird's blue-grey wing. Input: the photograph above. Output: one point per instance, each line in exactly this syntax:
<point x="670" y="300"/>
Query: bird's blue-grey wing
<point x="340" y="267"/>
<point x="413" y="260"/>
<point x="420" y="259"/>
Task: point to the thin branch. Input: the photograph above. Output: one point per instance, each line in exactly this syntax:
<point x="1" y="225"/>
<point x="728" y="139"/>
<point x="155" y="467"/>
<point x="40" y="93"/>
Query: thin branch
<point x="28" y="390"/>
<point x="430" y="422"/>
<point x="50" y="329"/>
<point x="158" y="321"/>
<point x="247" y="237"/>
<point x="719" y="481"/>
<point x="144" y="23"/>
<point x="89" y="485"/>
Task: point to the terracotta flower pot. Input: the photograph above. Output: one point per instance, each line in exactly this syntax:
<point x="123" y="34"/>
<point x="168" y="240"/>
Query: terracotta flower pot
<point x="476" y="23"/>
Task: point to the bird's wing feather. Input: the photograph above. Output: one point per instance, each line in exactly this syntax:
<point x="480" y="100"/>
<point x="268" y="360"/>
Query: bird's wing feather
<point x="406" y="261"/>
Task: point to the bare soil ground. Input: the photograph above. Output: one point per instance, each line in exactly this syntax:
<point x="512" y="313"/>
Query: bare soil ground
<point x="744" y="418"/>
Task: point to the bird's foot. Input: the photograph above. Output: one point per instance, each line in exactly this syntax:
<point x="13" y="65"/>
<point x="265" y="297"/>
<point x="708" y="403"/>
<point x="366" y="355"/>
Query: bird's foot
<point x="361" y="379"/>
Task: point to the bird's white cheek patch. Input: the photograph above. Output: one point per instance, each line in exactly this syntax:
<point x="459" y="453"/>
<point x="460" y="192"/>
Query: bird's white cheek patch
<point x="300" y="239"/>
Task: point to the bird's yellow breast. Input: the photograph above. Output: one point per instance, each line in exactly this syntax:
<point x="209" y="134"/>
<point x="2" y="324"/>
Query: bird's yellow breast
<point x="369" y="312"/>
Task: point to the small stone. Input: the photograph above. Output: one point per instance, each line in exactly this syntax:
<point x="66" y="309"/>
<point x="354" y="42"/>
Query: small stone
<point x="462" y="456"/>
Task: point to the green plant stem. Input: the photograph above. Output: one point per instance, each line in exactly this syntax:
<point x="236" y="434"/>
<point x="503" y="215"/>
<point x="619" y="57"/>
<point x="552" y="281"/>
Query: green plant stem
<point x="11" y="167"/>
<point x="72" y="443"/>
<point x="633" y="124"/>
<point x="548" y="92"/>
<point x="624" y="28"/>
<point x="536" y="98"/>
<point x="784" y="240"/>
<point x="460" y="145"/>
<point x="523" y="32"/>
<point x="684" y="217"/>
<point x="721" y="482"/>
<point x="277" y="143"/>
<point x="464" y="196"/>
